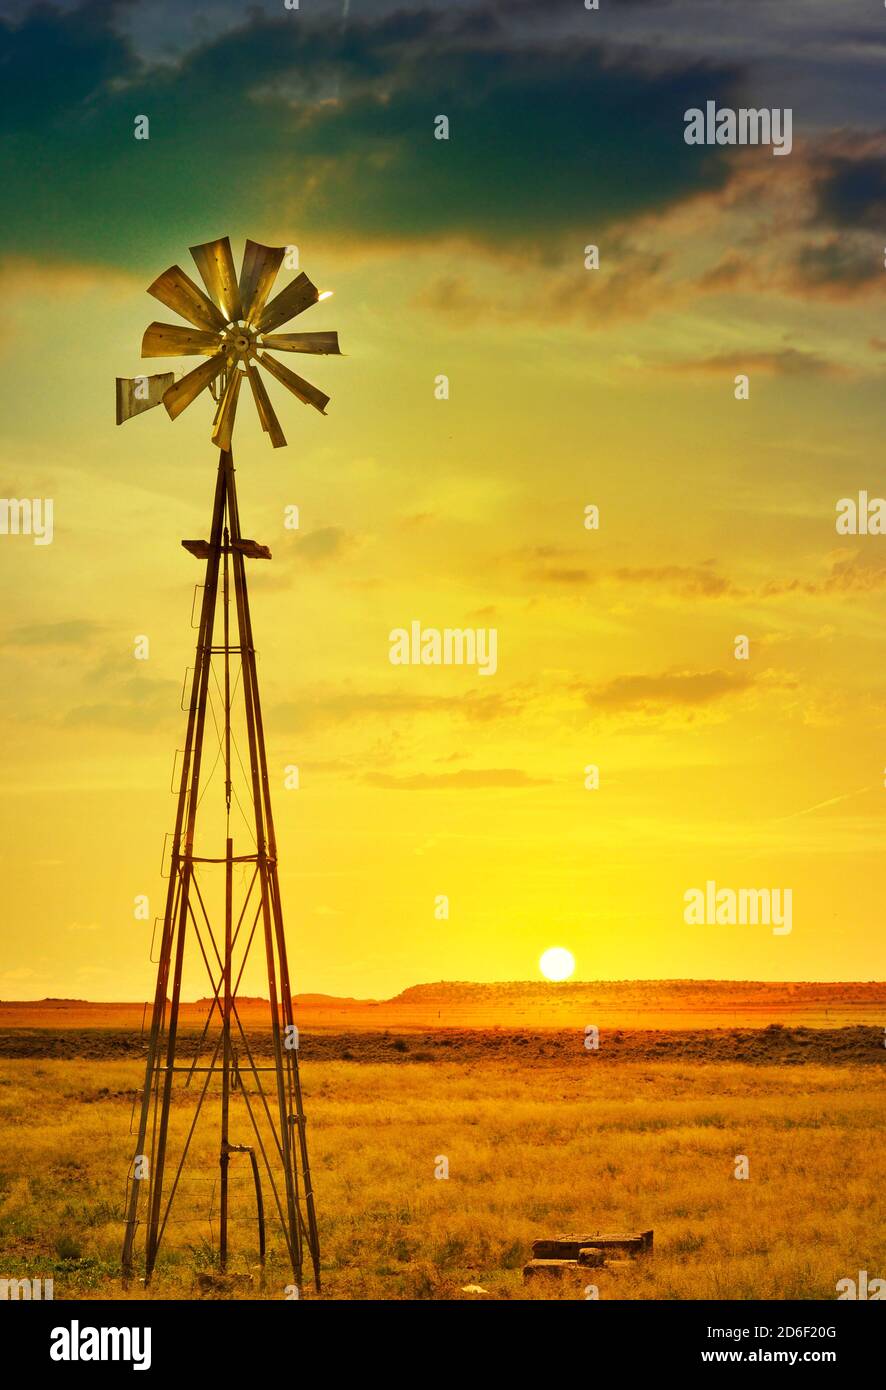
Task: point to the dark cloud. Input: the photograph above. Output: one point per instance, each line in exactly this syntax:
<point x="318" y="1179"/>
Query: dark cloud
<point x="852" y="192"/>
<point x="839" y="262"/>
<point x="332" y="126"/>
<point x="541" y="143"/>
<point x="55" y="64"/>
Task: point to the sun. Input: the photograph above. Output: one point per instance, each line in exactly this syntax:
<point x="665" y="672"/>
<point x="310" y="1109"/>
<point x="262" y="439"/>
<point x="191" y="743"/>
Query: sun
<point x="557" y="963"/>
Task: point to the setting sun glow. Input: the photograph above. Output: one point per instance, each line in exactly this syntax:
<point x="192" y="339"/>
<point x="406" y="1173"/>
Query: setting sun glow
<point x="557" y="963"/>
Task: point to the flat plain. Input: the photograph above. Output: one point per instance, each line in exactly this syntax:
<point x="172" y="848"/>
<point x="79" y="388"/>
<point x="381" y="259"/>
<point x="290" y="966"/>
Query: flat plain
<point x="541" y="1136"/>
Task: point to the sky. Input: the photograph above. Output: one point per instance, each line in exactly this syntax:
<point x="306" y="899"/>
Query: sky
<point x="569" y="387"/>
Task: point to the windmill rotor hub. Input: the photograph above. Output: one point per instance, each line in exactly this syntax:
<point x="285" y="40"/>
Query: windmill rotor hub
<point x="239" y="339"/>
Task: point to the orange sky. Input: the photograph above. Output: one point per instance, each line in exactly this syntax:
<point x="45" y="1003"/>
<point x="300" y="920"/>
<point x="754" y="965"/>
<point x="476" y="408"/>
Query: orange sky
<point x="615" y="646"/>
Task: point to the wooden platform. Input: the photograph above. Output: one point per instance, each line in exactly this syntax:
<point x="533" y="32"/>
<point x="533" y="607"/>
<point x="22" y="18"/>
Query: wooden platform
<point x="569" y="1247"/>
<point x="575" y="1253"/>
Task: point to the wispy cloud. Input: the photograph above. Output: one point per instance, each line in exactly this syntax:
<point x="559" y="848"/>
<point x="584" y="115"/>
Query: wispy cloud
<point x="666" y="690"/>
<point x="76" y="632"/>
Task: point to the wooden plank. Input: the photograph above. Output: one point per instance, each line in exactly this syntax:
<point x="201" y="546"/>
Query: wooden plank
<point x="551" y="1269"/>
<point x="613" y="1245"/>
<point x="252" y="550"/>
<point x="199" y="548"/>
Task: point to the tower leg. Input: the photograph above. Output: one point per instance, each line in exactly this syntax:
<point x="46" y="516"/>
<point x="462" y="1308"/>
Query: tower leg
<point x="290" y="1106"/>
<point x="224" y="1155"/>
<point x="176" y="903"/>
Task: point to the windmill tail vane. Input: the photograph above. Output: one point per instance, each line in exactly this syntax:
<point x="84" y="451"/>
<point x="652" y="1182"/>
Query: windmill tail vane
<point x="233" y="328"/>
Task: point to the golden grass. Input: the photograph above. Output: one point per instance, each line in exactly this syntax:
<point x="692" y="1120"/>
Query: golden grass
<point x="531" y="1151"/>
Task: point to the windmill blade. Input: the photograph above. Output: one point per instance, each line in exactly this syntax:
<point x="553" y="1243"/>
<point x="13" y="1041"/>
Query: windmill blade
<point x="224" y="420"/>
<point x="137" y="394"/>
<point x="302" y="342"/>
<point x="257" y="276"/>
<point x="179" y="293"/>
<point x="188" y="389"/>
<point x="296" y="384"/>
<point x="216" y="266"/>
<point x="266" y="413"/>
<point x="174" y="340"/>
<point x="289" y="302"/>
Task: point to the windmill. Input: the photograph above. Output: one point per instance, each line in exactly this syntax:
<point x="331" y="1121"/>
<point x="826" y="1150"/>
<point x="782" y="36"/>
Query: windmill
<point x="233" y="328"/>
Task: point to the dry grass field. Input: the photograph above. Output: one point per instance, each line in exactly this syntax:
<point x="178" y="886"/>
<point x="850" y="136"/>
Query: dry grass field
<point x="536" y="1146"/>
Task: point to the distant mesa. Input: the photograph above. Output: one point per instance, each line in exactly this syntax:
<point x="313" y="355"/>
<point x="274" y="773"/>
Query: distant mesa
<point x="516" y="1004"/>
